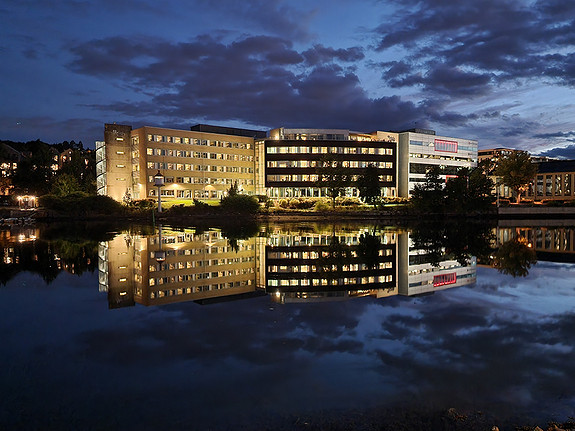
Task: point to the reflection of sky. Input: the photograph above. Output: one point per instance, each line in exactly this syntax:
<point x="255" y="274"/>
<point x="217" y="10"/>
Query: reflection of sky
<point x="503" y="345"/>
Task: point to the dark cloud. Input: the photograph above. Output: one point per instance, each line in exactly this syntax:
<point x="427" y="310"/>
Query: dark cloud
<point x="319" y="54"/>
<point x="256" y="80"/>
<point x="561" y="153"/>
<point x="467" y="48"/>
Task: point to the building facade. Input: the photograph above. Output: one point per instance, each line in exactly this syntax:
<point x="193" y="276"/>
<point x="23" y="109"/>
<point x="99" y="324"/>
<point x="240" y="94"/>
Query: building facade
<point x="195" y="164"/>
<point x="288" y="160"/>
<point x="420" y="149"/>
<point x="204" y="162"/>
<point x="554" y="181"/>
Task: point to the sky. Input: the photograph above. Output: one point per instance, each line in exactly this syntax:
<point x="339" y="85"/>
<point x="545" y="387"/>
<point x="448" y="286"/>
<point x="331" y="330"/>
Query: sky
<point x="498" y="71"/>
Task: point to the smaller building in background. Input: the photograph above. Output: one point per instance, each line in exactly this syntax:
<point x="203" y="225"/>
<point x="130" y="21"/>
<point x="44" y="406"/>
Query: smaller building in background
<point x="554" y="181"/>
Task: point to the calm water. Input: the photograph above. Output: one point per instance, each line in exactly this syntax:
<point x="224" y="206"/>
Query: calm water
<point x="194" y="328"/>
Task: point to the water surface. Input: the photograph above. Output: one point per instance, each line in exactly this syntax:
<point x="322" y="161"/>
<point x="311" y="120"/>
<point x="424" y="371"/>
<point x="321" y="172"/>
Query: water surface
<point x="290" y="322"/>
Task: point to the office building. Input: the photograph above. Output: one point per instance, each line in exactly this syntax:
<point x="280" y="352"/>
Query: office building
<point x="287" y="161"/>
<point x="420" y="149"/>
<point x="202" y="163"/>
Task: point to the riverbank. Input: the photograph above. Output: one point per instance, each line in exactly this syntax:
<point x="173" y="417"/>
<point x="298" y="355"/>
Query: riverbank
<point x="17" y="216"/>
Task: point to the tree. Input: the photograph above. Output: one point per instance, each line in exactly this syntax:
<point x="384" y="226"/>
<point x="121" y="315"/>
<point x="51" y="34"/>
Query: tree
<point x="517" y="171"/>
<point x="429" y="196"/>
<point x="332" y="176"/>
<point x="65" y="184"/>
<point x="369" y="186"/>
<point x="469" y="191"/>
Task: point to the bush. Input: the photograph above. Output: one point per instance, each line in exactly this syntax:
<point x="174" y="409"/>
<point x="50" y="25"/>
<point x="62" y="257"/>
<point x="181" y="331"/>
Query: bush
<point x="142" y="205"/>
<point x="348" y="202"/>
<point x="321" y="205"/>
<point x="244" y="204"/>
<point x="283" y="203"/>
<point x="80" y="203"/>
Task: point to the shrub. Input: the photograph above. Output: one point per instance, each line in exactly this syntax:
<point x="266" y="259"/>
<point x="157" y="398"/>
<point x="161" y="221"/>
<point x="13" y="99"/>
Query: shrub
<point x="143" y="205"/>
<point x="283" y="203"/>
<point x="244" y="204"/>
<point x="348" y="201"/>
<point x="79" y="203"/>
<point x="321" y="205"/>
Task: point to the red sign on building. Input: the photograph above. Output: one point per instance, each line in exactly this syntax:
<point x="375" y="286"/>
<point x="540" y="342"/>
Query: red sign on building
<point x="446" y="146"/>
<point x="443" y="279"/>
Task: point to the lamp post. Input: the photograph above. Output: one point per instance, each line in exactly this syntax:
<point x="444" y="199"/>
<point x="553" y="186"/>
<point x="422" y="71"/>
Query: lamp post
<point x="159" y="182"/>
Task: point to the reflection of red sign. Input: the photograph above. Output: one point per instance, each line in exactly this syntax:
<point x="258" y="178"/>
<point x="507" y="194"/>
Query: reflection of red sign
<point x="443" y="279"/>
<point x="446" y="146"/>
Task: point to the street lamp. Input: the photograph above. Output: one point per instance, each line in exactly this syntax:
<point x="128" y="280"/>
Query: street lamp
<point x="159" y="183"/>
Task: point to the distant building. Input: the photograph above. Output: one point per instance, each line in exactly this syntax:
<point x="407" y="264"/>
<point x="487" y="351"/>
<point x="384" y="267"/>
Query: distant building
<point x="554" y="181"/>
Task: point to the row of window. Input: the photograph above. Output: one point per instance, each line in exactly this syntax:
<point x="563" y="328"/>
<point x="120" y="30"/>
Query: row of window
<point x="194" y="141"/>
<point x="330" y="282"/>
<point x="199" y="263"/>
<point x="199" y="168"/>
<point x="154" y="281"/>
<point x="441" y="145"/>
<point x="441" y="157"/>
<point x="313" y="178"/>
<point x="314" y="164"/>
<point x="199" y="155"/>
<point x="203" y="250"/>
<point x="315" y="268"/>
<point x="554" y="185"/>
<point x="197" y="289"/>
<point x="329" y="150"/>
<point x="288" y="240"/>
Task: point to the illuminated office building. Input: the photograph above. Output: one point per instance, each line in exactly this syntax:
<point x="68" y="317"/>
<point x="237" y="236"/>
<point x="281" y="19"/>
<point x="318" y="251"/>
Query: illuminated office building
<point x="420" y="149"/>
<point x="555" y="180"/>
<point x="204" y="162"/>
<point x="201" y="163"/>
<point x="288" y="160"/>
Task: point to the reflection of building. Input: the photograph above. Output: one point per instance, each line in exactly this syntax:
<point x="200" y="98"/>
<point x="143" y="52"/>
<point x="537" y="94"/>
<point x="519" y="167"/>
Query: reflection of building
<point x="421" y="149"/>
<point x="292" y="264"/>
<point x="554" y="244"/>
<point x="292" y="157"/>
<point x="187" y="265"/>
<point x="418" y="275"/>
<point x="339" y="263"/>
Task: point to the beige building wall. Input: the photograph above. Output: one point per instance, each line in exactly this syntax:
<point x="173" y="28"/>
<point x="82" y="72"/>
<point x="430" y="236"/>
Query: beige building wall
<point x="196" y="165"/>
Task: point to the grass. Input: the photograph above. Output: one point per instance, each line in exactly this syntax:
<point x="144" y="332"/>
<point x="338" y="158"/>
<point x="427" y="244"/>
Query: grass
<point x="168" y="203"/>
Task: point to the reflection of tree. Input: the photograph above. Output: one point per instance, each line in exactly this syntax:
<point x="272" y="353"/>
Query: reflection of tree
<point x="238" y="232"/>
<point x="368" y="250"/>
<point x="59" y="248"/>
<point x="334" y="257"/>
<point x="515" y="257"/>
<point x="458" y="241"/>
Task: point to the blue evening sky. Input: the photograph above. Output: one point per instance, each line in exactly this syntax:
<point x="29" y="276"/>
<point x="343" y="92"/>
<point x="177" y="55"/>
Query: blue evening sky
<point x="499" y="71"/>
